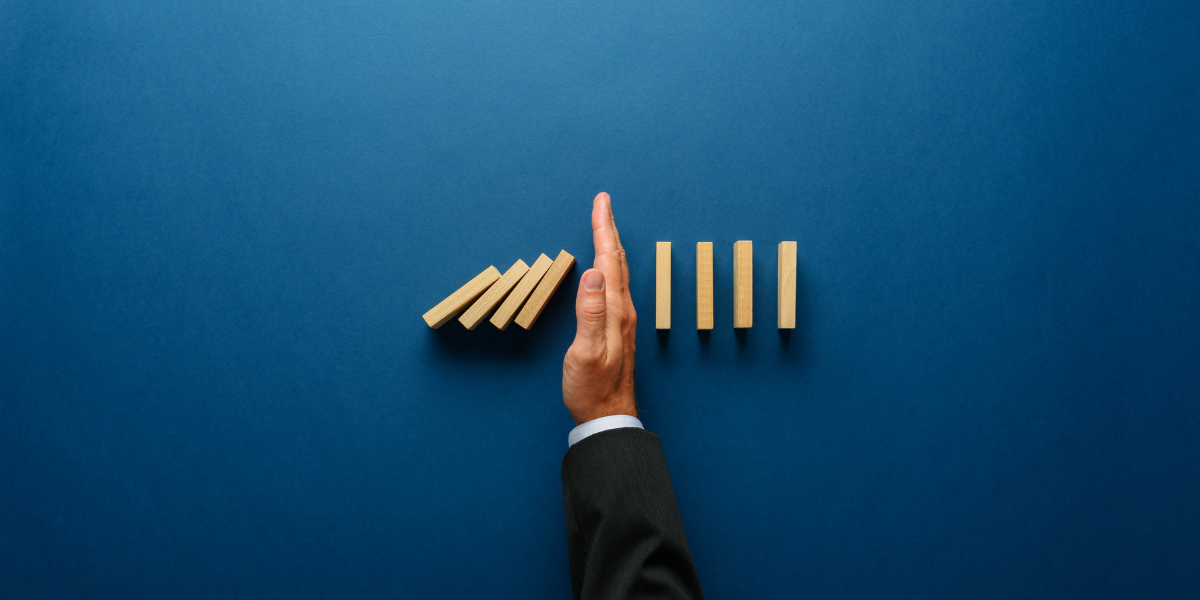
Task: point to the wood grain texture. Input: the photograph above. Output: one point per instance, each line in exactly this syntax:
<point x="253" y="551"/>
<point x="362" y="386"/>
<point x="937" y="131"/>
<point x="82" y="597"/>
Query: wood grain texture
<point x="454" y="303"/>
<point x="662" y="286"/>
<point x="504" y="315"/>
<point x="704" y="285"/>
<point x="787" y="285"/>
<point x="492" y="297"/>
<point x="743" y="284"/>
<point x="542" y="293"/>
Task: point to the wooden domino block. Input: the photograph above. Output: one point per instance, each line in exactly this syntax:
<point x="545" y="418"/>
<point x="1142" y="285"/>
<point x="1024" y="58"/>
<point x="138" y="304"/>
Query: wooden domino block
<point x="541" y="294"/>
<point x="508" y="309"/>
<point x="787" y="285"/>
<point x="662" y="286"/>
<point x="453" y="304"/>
<point x="491" y="298"/>
<point x="743" y="284"/>
<point x="704" y="285"/>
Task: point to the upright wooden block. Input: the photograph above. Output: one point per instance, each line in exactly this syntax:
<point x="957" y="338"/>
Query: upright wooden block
<point x="541" y="294"/>
<point x="787" y="285"/>
<point x="704" y="285"/>
<point x="743" y="284"/>
<point x="453" y="304"/>
<point x="508" y="309"/>
<point x="491" y="298"/>
<point x="662" y="286"/>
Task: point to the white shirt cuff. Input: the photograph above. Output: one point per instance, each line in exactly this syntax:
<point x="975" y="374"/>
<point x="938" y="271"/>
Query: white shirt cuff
<point x="602" y="424"/>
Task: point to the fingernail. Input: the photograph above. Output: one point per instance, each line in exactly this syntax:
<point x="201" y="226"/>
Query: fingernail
<point x="593" y="281"/>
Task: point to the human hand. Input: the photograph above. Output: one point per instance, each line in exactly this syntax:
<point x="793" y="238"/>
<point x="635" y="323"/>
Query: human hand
<point x="598" y="369"/>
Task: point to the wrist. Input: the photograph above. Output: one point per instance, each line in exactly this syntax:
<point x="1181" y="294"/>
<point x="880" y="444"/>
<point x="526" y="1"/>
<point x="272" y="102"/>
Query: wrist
<point x="604" y="411"/>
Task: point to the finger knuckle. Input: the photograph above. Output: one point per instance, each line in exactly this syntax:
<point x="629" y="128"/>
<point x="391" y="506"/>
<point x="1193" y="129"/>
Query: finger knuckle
<point x="592" y="310"/>
<point x="584" y="354"/>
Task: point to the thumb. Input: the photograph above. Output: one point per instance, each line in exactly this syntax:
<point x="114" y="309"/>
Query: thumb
<point x="590" y="311"/>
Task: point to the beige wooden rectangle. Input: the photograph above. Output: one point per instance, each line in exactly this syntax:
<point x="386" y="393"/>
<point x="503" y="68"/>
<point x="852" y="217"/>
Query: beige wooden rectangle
<point x="704" y="285"/>
<point x="456" y="302"/>
<point x="662" y="286"/>
<point x="787" y="285"/>
<point x="508" y="309"/>
<point x="542" y="293"/>
<point x="491" y="298"/>
<point x="743" y="284"/>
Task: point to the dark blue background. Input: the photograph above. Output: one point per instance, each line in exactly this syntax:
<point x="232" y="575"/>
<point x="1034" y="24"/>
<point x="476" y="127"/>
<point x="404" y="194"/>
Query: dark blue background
<point x="222" y="221"/>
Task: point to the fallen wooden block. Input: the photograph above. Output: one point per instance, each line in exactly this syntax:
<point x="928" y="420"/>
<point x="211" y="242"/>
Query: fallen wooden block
<point x="704" y="285"/>
<point x="787" y="285"/>
<point x="541" y="294"/>
<point x="454" y="303"/>
<point x="662" y="286"/>
<point x="508" y="309"/>
<point x="492" y="297"/>
<point x="743" y="284"/>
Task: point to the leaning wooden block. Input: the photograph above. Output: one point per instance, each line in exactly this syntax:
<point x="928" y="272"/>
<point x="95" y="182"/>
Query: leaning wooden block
<point x="662" y="286"/>
<point x="488" y="301"/>
<point x="545" y="289"/>
<point x="743" y="284"/>
<point x="508" y="309"/>
<point x="787" y="285"/>
<point x="704" y="285"/>
<point x="452" y="305"/>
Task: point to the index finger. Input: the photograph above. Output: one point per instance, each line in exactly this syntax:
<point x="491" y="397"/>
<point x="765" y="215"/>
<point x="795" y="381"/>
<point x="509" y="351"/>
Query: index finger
<point x="610" y="254"/>
<point x="604" y="226"/>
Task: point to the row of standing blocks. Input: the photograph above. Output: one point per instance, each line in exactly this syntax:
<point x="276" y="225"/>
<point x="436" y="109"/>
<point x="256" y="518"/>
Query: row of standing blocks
<point x="522" y="292"/>
<point x="743" y="285"/>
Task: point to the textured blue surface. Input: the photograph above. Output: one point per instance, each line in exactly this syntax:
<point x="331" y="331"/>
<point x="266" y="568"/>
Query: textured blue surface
<point x="220" y="223"/>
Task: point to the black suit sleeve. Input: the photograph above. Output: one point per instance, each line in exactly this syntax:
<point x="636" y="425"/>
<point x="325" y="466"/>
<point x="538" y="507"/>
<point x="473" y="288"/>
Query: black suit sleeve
<point x="624" y="534"/>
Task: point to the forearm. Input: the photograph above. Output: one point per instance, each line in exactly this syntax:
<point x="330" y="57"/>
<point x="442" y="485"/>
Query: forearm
<point x="624" y="532"/>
